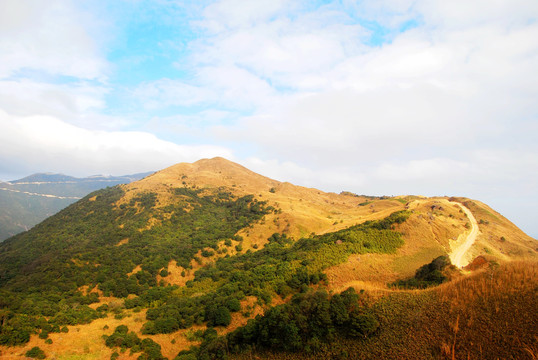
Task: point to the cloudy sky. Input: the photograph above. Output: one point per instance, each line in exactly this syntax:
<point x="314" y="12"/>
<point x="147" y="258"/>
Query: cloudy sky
<point x="380" y="97"/>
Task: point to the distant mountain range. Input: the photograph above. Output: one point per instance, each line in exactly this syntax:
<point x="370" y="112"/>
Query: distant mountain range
<point x="28" y="201"/>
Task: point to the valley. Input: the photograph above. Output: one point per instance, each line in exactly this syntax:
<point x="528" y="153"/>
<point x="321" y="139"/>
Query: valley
<point x="38" y="194"/>
<point x="30" y="200"/>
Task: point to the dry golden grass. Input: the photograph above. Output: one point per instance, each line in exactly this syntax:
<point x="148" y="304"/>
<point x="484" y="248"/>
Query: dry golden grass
<point x="434" y="222"/>
<point x="81" y="342"/>
<point x="135" y="270"/>
<point x="496" y="304"/>
<point x="303" y="210"/>
<point x="174" y="275"/>
<point x="427" y="233"/>
<point x="488" y="282"/>
<point x="499" y="237"/>
<point x="370" y="271"/>
<point x="249" y="309"/>
<point x="489" y="314"/>
<point x="123" y="242"/>
<point x="85" y="341"/>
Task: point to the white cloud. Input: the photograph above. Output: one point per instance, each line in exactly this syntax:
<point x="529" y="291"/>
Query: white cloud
<point x="52" y="64"/>
<point x="50" y="36"/>
<point x="418" y="114"/>
<point x="428" y="169"/>
<point x="224" y="14"/>
<point x="430" y="89"/>
<point x="166" y="92"/>
<point x="225" y="87"/>
<point x="27" y="97"/>
<point x="43" y="143"/>
<point x="464" y="14"/>
<point x="286" y="52"/>
<point x="337" y="179"/>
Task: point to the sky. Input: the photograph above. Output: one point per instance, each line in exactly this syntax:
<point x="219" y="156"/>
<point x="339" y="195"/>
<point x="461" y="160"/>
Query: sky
<point x="384" y="97"/>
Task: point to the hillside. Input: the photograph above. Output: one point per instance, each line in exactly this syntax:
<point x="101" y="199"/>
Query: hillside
<point x="487" y="315"/>
<point x="30" y="200"/>
<point x="191" y="253"/>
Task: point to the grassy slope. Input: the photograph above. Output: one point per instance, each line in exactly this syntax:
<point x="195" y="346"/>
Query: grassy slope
<point x="303" y="211"/>
<point x="498" y="236"/>
<point x="428" y="232"/>
<point x="489" y="315"/>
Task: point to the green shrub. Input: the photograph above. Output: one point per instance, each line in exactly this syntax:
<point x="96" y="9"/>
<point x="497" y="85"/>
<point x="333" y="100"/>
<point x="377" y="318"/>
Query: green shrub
<point x="124" y="339"/>
<point x="361" y="324"/>
<point x="186" y="356"/>
<point x="427" y="275"/>
<point x="207" y="253"/>
<point x="233" y="305"/>
<point x="35" y="353"/>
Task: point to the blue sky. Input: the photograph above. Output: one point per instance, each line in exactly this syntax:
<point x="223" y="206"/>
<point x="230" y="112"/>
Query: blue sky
<point x="376" y="97"/>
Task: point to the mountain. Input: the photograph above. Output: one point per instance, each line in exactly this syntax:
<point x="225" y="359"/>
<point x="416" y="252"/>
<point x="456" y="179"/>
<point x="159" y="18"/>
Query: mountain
<point x="209" y="259"/>
<point x="28" y="201"/>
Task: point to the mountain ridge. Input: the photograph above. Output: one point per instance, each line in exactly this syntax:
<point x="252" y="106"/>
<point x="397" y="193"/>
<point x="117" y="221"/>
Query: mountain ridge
<point x="305" y="210"/>
<point x="58" y="178"/>
<point x="212" y="244"/>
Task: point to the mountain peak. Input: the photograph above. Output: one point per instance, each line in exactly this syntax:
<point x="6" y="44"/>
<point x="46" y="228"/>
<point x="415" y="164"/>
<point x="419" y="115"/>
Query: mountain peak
<point x="220" y="164"/>
<point x="214" y="172"/>
<point x="216" y="160"/>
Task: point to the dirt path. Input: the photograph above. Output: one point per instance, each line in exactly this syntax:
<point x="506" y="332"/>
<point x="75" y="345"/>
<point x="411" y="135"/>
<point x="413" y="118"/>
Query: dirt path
<point x="461" y="246"/>
<point x="465" y="240"/>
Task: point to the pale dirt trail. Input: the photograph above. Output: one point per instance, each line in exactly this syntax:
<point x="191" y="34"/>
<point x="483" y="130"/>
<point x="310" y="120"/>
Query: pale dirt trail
<point x="465" y="240"/>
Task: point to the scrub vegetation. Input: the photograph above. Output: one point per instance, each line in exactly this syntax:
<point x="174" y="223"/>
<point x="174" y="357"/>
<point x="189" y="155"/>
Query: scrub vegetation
<point x="42" y="271"/>
<point x="164" y="272"/>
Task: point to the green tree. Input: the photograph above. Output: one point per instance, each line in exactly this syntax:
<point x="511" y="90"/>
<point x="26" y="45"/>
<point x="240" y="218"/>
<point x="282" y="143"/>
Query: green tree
<point x="222" y="317"/>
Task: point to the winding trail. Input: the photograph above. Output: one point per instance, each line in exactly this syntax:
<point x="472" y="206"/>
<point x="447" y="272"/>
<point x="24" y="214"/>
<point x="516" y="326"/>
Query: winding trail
<point x="465" y="240"/>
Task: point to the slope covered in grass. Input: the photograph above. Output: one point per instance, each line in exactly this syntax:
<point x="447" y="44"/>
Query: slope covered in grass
<point x="488" y="315"/>
<point x="192" y="253"/>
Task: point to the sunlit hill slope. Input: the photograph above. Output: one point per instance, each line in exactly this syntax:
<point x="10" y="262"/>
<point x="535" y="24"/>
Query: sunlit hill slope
<point x="174" y="265"/>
